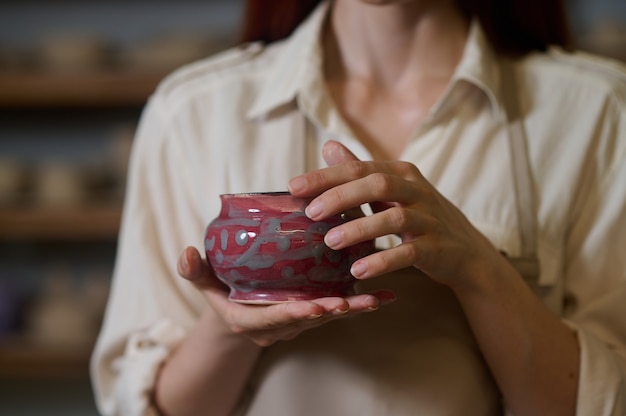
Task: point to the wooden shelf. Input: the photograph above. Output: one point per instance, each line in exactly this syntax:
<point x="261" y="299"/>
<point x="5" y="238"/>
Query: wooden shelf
<point x="103" y="89"/>
<point x="74" y="224"/>
<point x="21" y="359"/>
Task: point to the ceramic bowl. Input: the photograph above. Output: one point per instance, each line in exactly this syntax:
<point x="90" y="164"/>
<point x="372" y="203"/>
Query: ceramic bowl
<point x="267" y="250"/>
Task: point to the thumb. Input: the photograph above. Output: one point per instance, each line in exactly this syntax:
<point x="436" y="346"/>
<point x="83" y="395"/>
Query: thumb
<point x="195" y="269"/>
<point x="335" y="153"/>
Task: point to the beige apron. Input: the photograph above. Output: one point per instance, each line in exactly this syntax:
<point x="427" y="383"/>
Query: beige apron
<point x="416" y="356"/>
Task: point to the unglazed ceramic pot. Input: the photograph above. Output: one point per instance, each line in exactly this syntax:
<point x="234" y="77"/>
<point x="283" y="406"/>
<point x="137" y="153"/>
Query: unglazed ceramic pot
<point x="267" y="250"/>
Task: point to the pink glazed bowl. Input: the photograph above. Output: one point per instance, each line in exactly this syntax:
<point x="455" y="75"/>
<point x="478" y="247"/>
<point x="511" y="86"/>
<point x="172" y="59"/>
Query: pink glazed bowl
<point x="267" y="250"/>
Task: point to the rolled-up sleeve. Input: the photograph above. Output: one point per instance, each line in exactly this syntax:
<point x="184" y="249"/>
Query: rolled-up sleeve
<point x="137" y="368"/>
<point x="150" y="307"/>
<point x="595" y="275"/>
<point x="602" y="387"/>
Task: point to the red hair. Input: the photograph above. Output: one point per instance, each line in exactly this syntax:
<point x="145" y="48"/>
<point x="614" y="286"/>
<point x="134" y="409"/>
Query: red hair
<point x="512" y="26"/>
<point x="520" y="26"/>
<point x="271" y="20"/>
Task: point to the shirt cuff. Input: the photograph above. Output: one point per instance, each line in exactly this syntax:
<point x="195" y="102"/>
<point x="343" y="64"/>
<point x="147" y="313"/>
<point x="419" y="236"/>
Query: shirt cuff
<point x="138" y="367"/>
<point x="602" y="382"/>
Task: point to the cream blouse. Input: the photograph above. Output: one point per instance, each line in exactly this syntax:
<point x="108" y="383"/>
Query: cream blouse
<point x="253" y="117"/>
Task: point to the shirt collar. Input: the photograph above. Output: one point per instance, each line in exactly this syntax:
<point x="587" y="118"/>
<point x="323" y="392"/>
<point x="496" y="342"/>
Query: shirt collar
<point x="297" y="67"/>
<point x="297" y="73"/>
<point x="479" y="67"/>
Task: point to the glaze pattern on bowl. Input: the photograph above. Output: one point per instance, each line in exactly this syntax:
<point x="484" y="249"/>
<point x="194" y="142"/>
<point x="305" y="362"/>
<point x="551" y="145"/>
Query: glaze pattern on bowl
<point x="266" y="250"/>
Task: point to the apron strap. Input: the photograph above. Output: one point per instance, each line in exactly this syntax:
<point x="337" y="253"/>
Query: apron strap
<point x="528" y="263"/>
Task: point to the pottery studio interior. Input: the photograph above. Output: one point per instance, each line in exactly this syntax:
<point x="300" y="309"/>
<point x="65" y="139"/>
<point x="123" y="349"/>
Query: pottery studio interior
<point x="74" y="77"/>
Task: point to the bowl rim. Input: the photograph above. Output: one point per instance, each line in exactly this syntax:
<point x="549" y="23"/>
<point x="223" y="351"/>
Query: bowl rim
<point x="248" y="194"/>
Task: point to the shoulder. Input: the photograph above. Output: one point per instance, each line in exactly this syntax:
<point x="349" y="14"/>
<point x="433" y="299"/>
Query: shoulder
<point x="589" y="65"/>
<point x="197" y="87"/>
<point x="582" y="101"/>
<point x="579" y="74"/>
<point x="576" y="103"/>
<point x="241" y="66"/>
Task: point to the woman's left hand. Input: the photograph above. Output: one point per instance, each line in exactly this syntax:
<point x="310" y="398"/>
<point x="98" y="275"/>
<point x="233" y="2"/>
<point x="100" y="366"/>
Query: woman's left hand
<point x="436" y="237"/>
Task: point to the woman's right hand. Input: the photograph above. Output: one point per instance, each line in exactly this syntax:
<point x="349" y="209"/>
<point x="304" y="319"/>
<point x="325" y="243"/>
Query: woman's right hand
<point x="266" y="324"/>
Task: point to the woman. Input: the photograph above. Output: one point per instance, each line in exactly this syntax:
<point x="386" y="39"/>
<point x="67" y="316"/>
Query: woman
<point x="495" y="160"/>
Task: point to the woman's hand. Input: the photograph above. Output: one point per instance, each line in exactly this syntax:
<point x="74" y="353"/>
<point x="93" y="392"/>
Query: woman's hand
<point x="265" y="325"/>
<point x="441" y="242"/>
<point x="436" y="237"/>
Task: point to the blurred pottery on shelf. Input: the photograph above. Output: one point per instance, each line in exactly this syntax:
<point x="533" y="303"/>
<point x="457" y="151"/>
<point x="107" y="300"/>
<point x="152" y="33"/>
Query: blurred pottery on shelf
<point x="606" y="37"/>
<point x="10" y="309"/>
<point x="58" y="184"/>
<point x="74" y="52"/>
<point x="119" y="153"/>
<point x="12" y="182"/>
<point x="168" y="52"/>
<point x="58" y="317"/>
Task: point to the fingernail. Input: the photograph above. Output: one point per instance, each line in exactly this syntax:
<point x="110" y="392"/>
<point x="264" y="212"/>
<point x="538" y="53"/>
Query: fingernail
<point x="339" y="311"/>
<point x="185" y="262"/>
<point x="314" y="209"/>
<point x="296" y="184"/>
<point x="387" y="300"/>
<point x="315" y="315"/>
<point x="374" y="303"/>
<point x="333" y="238"/>
<point x="359" y="269"/>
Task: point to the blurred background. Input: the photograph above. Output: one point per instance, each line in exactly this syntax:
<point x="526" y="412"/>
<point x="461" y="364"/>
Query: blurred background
<point x="74" y="76"/>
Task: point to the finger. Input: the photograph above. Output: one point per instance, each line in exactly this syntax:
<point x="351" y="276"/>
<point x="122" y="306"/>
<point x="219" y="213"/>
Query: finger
<point x="245" y="318"/>
<point x="354" y="305"/>
<point x="335" y="153"/>
<point x="317" y="181"/>
<point x="381" y="187"/>
<point x="371" y="301"/>
<point x="357" y="304"/>
<point x="350" y="306"/>
<point x="288" y="313"/>
<point x="189" y="265"/>
<point x="194" y="268"/>
<point x="302" y="314"/>
<point x="396" y="220"/>
<point x="385" y="261"/>
<point x="340" y="306"/>
<point x="266" y="336"/>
